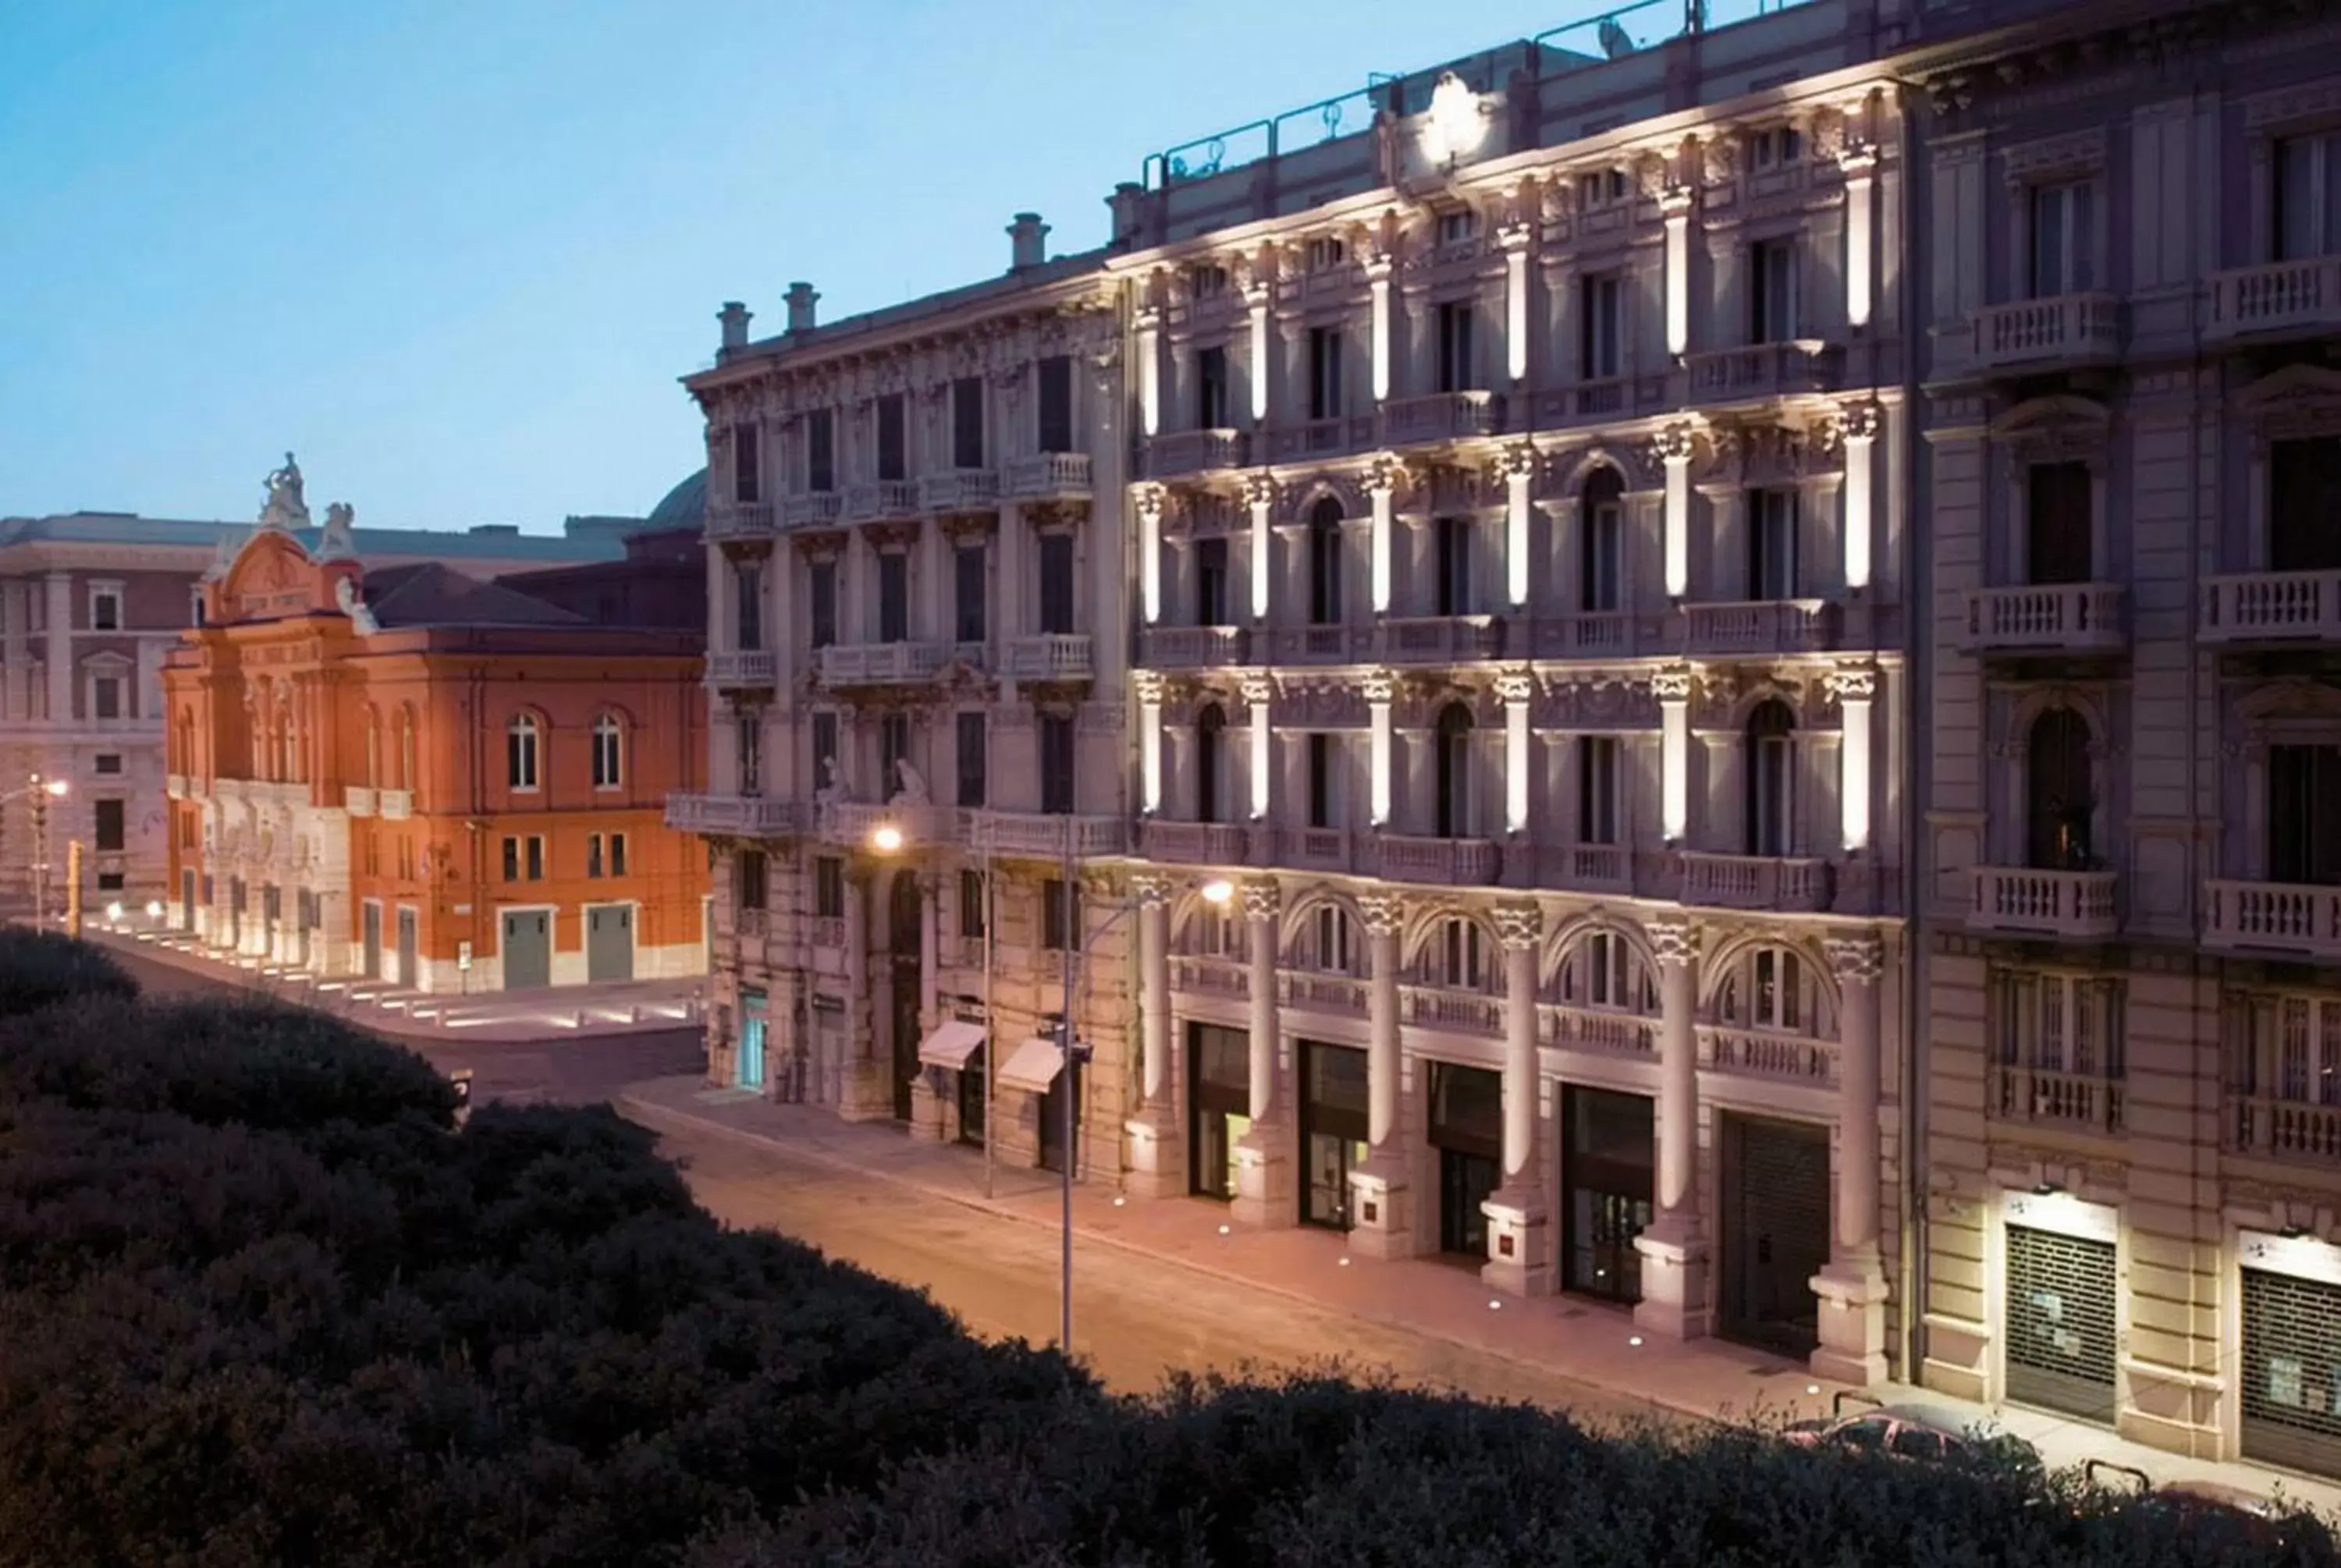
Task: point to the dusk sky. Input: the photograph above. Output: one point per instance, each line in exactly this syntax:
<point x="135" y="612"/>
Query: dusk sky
<point x="455" y="255"/>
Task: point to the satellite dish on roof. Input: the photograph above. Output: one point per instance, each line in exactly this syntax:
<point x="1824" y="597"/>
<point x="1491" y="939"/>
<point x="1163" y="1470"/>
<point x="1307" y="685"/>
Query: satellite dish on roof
<point x="1616" y="43"/>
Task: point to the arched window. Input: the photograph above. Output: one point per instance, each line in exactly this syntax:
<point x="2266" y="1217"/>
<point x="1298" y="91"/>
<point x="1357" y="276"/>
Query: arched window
<point x="1771" y="778"/>
<point x="1601" y="531"/>
<point x="1211" y="932"/>
<point x="2059" y="791"/>
<point x="1457" y="958"/>
<point x="1325" y="562"/>
<point x="607" y="735"/>
<point x="406" y="749"/>
<point x="1770" y="989"/>
<point x="1454" y="771"/>
<point x="372" y="750"/>
<point x="1211" y="752"/>
<point x="1604" y="971"/>
<point x="522" y="758"/>
<point x="1328" y="943"/>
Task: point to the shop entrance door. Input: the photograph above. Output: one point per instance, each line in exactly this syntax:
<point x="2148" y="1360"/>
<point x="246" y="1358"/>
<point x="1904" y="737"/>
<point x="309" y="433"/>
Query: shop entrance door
<point x="1776" y="1232"/>
<point x="370" y="936"/>
<point x="1467" y="1128"/>
<point x="972" y="1077"/>
<point x="1219" y="1106"/>
<point x="1333" y="1128"/>
<point x="2291" y="1371"/>
<point x="1606" y="1158"/>
<point x="2060" y="1322"/>
<point x="752" y="1040"/>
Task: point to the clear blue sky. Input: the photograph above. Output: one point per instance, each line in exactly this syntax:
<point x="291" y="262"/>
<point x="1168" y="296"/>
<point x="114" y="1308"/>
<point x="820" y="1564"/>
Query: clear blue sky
<point x="456" y="254"/>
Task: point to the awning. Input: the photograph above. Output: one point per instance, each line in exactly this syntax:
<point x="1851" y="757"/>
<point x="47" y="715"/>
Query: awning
<point x="1034" y="1067"/>
<point x="950" y="1045"/>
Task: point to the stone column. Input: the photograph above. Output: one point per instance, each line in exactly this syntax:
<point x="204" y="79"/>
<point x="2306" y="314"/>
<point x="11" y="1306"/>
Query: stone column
<point x="1264" y="1191"/>
<point x="861" y="1093"/>
<point x="59" y="661"/>
<point x="1519" y="1230"/>
<point x="926" y="1104"/>
<point x="1379" y="1198"/>
<point x="1674" y="1250"/>
<point x="1852" y="1289"/>
<point x="1157" y="1151"/>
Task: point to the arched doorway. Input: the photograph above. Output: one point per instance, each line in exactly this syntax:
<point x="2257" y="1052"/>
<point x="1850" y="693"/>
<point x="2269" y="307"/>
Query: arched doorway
<point x="2059" y="792"/>
<point x="904" y="980"/>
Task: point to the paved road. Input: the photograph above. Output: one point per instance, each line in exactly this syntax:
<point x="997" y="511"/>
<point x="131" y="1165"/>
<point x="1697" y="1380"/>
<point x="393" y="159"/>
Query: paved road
<point x="562" y="1068"/>
<point x="1134" y="1317"/>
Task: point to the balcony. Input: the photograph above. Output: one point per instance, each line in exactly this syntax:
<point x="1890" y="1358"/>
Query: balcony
<point x="852" y="823"/>
<point x="1760" y="627"/>
<point x="2297" y="608"/>
<point x="743" y="669"/>
<point x="2043" y="334"/>
<point x="1313" y="848"/>
<point x="728" y="521"/>
<point x="1794" y="884"/>
<point x="815" y="509"/>
<point x="960" y="489"/>
<point x="2079" y="1102"/>
<point x="1589" y="634"/>
<point x="395" y="805"/>
<point x="1759" y="371"/>
<point x="1043" y="836"/>
<point x="846" y="665"/>
<point x="1194" y="451"/>
<point x="1332" y="644"/>
<point x="1051" y="476"/>
<point x="1587" y="868"/>
<point x="1438" y="862"/>
<point x="2285" y="1130"/>
<point x="357" y="800"/>
<point x="1596" y="1030"/>
<point x="1441" y="416"/>
<point x="2275" y="300"/>
<point x="1439" y="638"/>
<point x="2279" y="919"/>
<point x="2020" y="901"/>
<point x="1336" y="994"/>
<point x="1217" y="976"/>
<point x="2055" y="618"/>
<point x="1194" y="843"/>
<point x="1761" y="1054"/>
<point x="1337" y="437"/>
<point x="746" y="815"/>
<point x="884" y="500"/>
<point x="1440" y="1008"/>
<point x="1049" y="656"/>
<point x="1193" y="647"/>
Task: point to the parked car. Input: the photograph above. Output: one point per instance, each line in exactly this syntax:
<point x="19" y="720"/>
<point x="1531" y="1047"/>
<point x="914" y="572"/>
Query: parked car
<point x="1935" y="1435"/>
<point x="2214" y="1513"/>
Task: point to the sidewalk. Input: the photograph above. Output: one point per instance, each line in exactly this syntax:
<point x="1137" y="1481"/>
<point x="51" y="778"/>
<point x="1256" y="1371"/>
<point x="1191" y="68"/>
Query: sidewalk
<point x="625" y="1008"/>
<point x="1592" y="1343"/>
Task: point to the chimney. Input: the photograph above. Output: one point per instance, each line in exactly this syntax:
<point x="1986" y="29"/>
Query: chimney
<point x="1127" y="204"/>
<point x="1028" y="241"/>
<point x="801" y="304"/>
<point x="734" y="317"/>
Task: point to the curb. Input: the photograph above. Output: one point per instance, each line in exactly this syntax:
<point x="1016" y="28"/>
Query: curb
<point x="636" y="1108"/>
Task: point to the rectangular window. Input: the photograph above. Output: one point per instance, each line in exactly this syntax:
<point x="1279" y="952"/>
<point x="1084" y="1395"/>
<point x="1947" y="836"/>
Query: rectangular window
<point x="1207" y="282"/>
<point x="1325" y="548"/>
<point x="825" y="750"/>
<point x="1772" y="149"/>
<point x="1771" y="788"/>
<point x="894" y="442"/>
<point x="821" y="588"/>
<point x="108" y="762"/>
<point x="195" y="605"/>
<point x="1324" y="254"/>
<point x="1457" y="227"/>
<point x="1211" y="582"/>
<point x="1603" y="566"/>
<point x="105" y="697"/>
<point x="1054" y="396"/>
<point x="968" y="568"/>
<point x="1598" y="778"/>
<point x="967" y="422"/>
<point x="1212" y="388"/>
<point x="894" y="596"/>
<point x="751" y="885"/>
<point x="828" y="888"/>
<point x="1057" y="583"/>
<point x="617" y="854"/>
<point x="2060" y="507"/>
<point x="1771" y="544"/>
<point x="593" y="854"/>
<point x="1454" y="566"/>
<point x="1603" y="188"/>
<point x="606" y="754"/>
<point x="109" y="833"/>
<point x="1060" y="914"/>
<point x="747" y="464"/>
<point x="749" y="732"/>
<point x="2052" y="1023"/>
<point x="1320" y="778"/>
<point x="1772" y="292"/>
<point x="2304" y="785"/>
<point x="519" y="755"/>
<point x="1324" y="372"/>
<point x="535" y="858"/>
<point x="2304" y="502"/>
<point x="1056" y="732"/>
<point x="821" y="451"/>
<point x="748" y="599"/>
<point x="512" y="858"/>
<point x="109" y="881"/>
<point x="2064" y="239"/>
<point x="893" y="751"/>
<point x="1601" y="310"/>
<point x="972" y="746"/>
<point x="2307" y="221"/>
<point x="1457" y="368"/>
<point x="970" y="905"/>
<point x="105" y="608"/>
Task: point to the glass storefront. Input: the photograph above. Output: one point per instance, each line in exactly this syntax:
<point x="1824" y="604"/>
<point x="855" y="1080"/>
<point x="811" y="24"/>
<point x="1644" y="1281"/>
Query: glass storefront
<point x="751" y="1039"/>
<point x="1607" y="1157"/>
<point x="1467" y="1128"/>
<point x="970" y="1097"/>
<point x="1333" y="1126"/>
<point x="1219" y="1106"/>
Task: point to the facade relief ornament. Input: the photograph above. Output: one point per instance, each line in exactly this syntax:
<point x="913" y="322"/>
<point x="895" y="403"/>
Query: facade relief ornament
<point x="1519" y="926"/>
<point x="1515" y="686"/>
<point x="1673" y="941"/>
<point x="1859" y="684"/>
<point x="1719" y="159"/>
<point x="1260" y="489"/>
<point x="1260" y="899"/>
<point x="1671" y="685"/>
<point x="1153" y="892"/>
<point x="1379" y="685"/>
<point x="1863" y="418"/>
<point x="1384" y="914"/>
<point x="1675" y="443"/>
<point x="1855" y="959"/>
<point x="1257" y="691"/>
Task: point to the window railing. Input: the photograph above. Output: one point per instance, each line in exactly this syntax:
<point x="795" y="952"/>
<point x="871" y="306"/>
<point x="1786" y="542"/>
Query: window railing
<point x="2081" y="1101"/>
<point x="1595" y="1030"/>
<point x="2285" y="1130"/>
<point x="1442" y="1007"/>
<point x="1767" y="1054"/>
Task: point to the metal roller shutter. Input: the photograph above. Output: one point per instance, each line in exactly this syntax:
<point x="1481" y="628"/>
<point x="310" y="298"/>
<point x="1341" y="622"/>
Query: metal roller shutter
<point x="1776" y="1232"/>
<point x="2060" y="1322"/>
<point x="2292" y="1361"/>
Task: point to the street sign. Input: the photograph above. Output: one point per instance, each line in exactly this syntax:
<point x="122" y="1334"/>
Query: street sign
<point x="461" y="1079"/>
<point x="463" y="956"/>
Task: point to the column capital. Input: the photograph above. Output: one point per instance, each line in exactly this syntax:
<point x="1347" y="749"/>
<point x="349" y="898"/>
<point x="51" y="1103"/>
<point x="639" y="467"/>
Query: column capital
<point x="1675" y="444"/>
<point x="1258" y="690"/>
<point x="1260" y="489"/>
<point x="1860" y="420"/>
<point x="1384" y="913"/>
<point x="1382" y="475"/>
<point x="1150" y="500"/>
<point x="1518" y="460"/>
<point x="1151" y="688"/>
<point x="1379" y="685"/>
<point x="1515" y="686"/>
<point x="1673" y="941"/>
<point x="1859" y="684"/>
<point x="1261" y="899"/>
<point x="1671" y="685"/>
<point x="1152" y="892"/>
<point x="1858" y="160"/>
<point x="1857" y="958"/>
<point x="1519" y="926"/>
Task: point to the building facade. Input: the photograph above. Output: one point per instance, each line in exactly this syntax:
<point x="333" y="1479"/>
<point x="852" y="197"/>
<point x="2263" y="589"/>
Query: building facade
<point x="2133" y="754"/>
<point x="90" y="604"/>
<point x="435" y="783"/>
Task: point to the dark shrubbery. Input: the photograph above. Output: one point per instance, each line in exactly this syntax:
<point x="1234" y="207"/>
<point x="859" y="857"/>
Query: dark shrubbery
<point x="261" y="1302"/>
<point x="40" y="968"/>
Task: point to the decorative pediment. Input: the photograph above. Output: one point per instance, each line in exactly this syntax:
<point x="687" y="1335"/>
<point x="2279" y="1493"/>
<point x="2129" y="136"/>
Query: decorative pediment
<point x="2296" y="711"/>
<point x="2298" y="400"/>
<point x="2056" y="428"/>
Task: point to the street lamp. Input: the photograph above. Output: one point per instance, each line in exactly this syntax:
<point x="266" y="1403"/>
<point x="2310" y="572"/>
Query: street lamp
<point x="886" y="838"/>
<point x="43" y="791"/>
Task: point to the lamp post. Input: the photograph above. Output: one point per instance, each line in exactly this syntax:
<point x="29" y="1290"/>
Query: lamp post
<point x="42" y="790"/>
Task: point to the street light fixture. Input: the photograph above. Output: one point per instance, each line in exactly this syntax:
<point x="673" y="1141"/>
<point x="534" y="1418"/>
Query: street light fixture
<point x="42" y="790"/>
<point x="886" y="838"/>
<point x="1218" y="891"/>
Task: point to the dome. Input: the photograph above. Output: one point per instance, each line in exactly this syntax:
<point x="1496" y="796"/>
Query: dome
<point x="685" y="505"/>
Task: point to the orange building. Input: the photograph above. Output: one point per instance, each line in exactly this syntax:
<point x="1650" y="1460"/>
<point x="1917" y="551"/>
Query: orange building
<point x="434" y="780"/>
